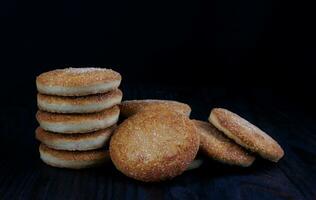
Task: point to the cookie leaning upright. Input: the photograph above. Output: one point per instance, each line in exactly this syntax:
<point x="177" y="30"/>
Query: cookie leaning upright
<point x="78" y="81"/>
<point x="219" y="147"/>
<point x="154" y="146"/>
<point x="77" y="114"/>
<point x="246" y="134"/>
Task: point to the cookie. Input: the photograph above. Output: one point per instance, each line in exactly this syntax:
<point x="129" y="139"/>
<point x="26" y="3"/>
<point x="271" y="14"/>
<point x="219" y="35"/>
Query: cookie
<point x="219" y="147"/>
<point x="84" y="104"/>
<point x="77" y="81"/>
<point x="154" y="146"/>
<point x="75" y="142"/>
<point x="78" y="123"/>
<point x="73" y="159"/>
<point x="131" y="107"/>
<point x="246" y="134"/>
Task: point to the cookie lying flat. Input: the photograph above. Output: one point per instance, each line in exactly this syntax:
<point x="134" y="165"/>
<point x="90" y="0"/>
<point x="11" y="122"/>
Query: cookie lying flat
<point x="246" y="134"/>
<point x="78" y="81"/>
<point x="75" y="142"/>
<point x="154" y="146"/>
<point x="217" y="146"/>
<point x="131" y="107"/>
<point x="84" y="104"/>
<point x="73" y="159"/>
<point x="78" y="123"/>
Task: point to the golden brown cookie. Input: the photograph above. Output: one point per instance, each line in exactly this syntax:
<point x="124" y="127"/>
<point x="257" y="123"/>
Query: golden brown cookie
<point x="78" y="123"/>
<point x="77" y="81"/>
<point x="246" y="134"/>
<point x="73" y="159"/>
<point x="83" y="104"/>
<point x="219" y="147"/>
<point x="75" y="142"/>
<point x="154" y="146"/>
<point x="131" y="107"/>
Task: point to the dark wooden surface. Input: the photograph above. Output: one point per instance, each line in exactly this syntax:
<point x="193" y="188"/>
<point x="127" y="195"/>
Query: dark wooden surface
<point x="24" y="176"/>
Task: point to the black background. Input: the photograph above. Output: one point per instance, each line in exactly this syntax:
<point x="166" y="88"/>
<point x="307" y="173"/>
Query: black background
<point x="254" y="57"/>
<point x="202" y="43"/>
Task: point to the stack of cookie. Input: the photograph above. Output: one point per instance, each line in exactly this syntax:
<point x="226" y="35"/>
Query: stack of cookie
<point x="77" y="114"/>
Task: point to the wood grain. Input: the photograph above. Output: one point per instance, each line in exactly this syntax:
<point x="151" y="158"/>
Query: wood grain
<point x="24" y="176"/>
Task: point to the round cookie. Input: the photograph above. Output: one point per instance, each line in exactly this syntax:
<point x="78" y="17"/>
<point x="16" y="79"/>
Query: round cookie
<point x="131" y="107"/>
<point x="78" y="123"/>
<point x="154" y="146"/>
<point x="217" y="146"/>
<point x="73" y="159"/>
<point x="84" y="104"/>
<point x="246" y="134"/>
<point x="75" y="142"/>
<point x="77" y="81"/>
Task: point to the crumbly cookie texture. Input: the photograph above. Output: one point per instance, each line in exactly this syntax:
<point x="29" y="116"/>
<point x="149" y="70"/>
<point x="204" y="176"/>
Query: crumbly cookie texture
<point x="246" y="134"/>
<point x="154" y="146"/>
